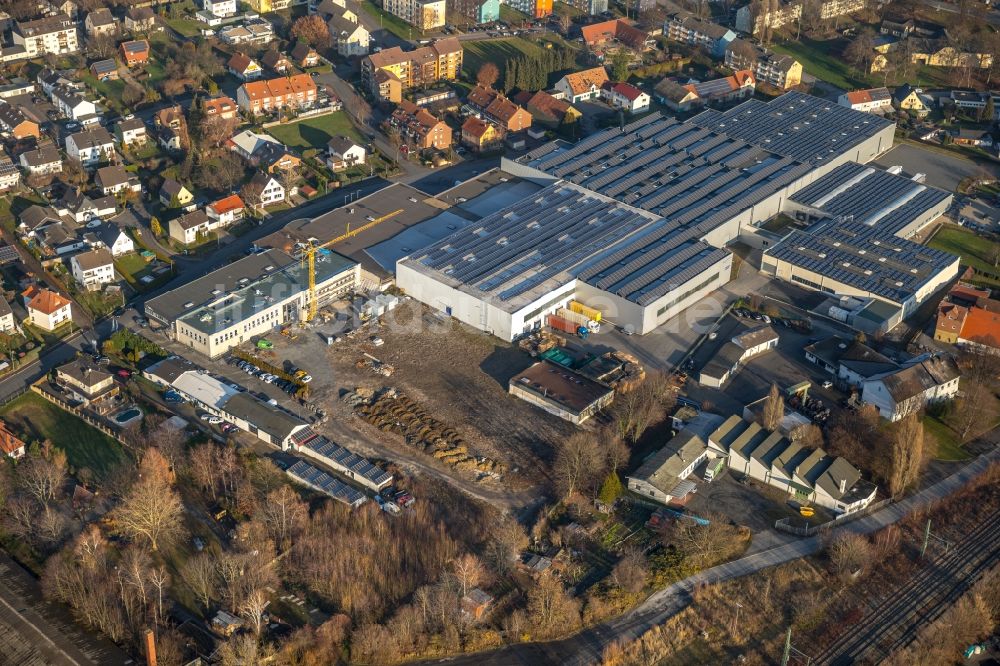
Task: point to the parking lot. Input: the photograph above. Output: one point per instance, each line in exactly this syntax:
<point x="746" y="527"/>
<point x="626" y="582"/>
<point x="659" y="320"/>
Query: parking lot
<point x="942" y="170"/>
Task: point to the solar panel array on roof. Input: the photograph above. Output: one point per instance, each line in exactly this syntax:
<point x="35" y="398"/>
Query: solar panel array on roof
<point x="315" y="478"/>
<point x="345" y="458"/>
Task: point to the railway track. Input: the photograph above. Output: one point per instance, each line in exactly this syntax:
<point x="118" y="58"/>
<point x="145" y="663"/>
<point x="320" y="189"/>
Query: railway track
<point x="894" y="622"/>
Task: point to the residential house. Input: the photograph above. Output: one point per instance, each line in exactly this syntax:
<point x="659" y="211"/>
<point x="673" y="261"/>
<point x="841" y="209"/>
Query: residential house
<point x="849" y="360"/>
<point x="420" y="127"/>
<point x="113" y="179"/>
<point x="663" y="476"/>
<point x="93" y="269"/>
<point x="52" y="34"/>
<point x="190" y="227"/>
<point x="975" y="138"/>
<point x="88" y="384"/>
<point x="547" y="110"/>
<point x="872" y="100"/>
<point x="907" y="98"/>
<point x="297" y="92"/>
<point x="686" y="28"/>
<point x="220" y="107"/>
<point x="625" y="96"/>
<point x="71" y="103"/>
<point x="10" y="443"/>
<point x="391" y="71"/>
<point x="271" y="191"/>
<point x="969" y="317"/>
<point x="494" y="107"/>
<point x="615" y="34"/>
<point x="171" y="116"/>
<point x="480" y="135"/>
<point x="733" y="354"/>
<point x="343" y="153"/>
<point x="131" y="132"/>
<point x="220" y="8"/>
<point x="15" y="124"/>
<point x="811" y="476"/>
<point x="100" y="23"/>
<point x="175" y="195"/>
<point x="273" y="157"/>
<point x="48" y="310"/>
<point x="9" y="174"/>
<point x="244" y="67"/>
<point x="140" y="20"/>
<point x="276" y="61"/>
<point x="421" y="14"/>
<point x="49" y="79"/>
<point x="349" y="37"/>
<point x="304" y="56"/>
<point x="581" y="86"/>
<point x="105" y="70"/>
<point x="41" y="161"/>
<point x="974" y="102"/>
<point x="111" y="236"/>
<point x="476" y="603"/>
<point x="751" y="19"/>
<point x="247" y="144"/>
<point x="7" y="323"/>
<point x="716" y="93"/>
<point x="90" y="147"/>
<point x="169" y="139"/>
<point x="35" y="219"/>
<point x="226" y="211"/>
<point x="778" y="70"/>
<point x="53" y="7"/>
<point x="134" y="52"/>
<point x="80" y="208"/>
<point x="254" y="31"/>
<point x="924" y="380"/>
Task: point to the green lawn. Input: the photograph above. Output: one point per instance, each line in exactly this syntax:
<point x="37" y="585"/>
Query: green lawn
<point x="510" y="15"/>
<point x="948" y="447"/>
<point x="185" y="26"/>
<point x="314" y="132"/>
<point x="133" y="267"/>
<point x="35" y="418"/>
<point x="497" y="51"/>
<point x="110" y="90"/>
<point x="823" y="60"/>
<point x="975" y="250"/>
<point x="393" y="24"/>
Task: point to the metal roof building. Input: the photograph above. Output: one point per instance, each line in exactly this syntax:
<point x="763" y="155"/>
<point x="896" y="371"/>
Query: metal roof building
<point x="319" y="480"/>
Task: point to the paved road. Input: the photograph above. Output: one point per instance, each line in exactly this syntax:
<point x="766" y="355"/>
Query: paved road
<point x="33" y="631"/>
<point x="588" y="646"/>
<point x="991" y="16"/>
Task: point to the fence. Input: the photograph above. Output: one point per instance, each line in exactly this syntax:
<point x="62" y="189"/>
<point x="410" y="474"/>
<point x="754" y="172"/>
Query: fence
<point x="79" y="413"/>
<point x="311" y="113"/>
<point x="784" y="524"/>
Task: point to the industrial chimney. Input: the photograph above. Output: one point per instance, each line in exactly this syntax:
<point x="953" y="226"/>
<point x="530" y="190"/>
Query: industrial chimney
<point x="150" y="648"/>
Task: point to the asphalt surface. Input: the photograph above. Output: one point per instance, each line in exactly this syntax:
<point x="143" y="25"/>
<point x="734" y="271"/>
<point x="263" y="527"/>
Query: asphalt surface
<point x="587" y="647"/>
<point x="942" y="169"/>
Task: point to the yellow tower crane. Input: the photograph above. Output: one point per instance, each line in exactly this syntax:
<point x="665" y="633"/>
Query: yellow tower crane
<point x="310" y="255"/>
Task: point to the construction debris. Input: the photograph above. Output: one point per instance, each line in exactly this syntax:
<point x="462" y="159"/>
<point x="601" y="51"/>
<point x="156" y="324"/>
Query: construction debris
<point x="391" y="411"/>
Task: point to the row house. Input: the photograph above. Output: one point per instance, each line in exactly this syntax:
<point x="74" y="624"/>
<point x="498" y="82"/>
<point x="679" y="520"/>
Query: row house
<point x="72" y="104"/>
<point x="872" y="100"/>
<point x="52" y="34"/>
<point x="420" y="127"/>
<point x="494" y="107"/>
<point x="297" y="92"/>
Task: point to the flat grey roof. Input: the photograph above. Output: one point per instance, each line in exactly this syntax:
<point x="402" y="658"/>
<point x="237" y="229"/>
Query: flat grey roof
<point x="272" y="420"/>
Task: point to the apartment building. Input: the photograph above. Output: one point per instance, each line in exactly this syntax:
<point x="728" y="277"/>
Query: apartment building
<point x="751" y="20"/>
<point x="51" y="34"/>
<point x="421" y="14"/>
<point x="777" y="70"/>
<point x="256" y="97"/>
<point x="90" y="147"/>
<point x="390" y="72"/>
<point x="686" y="28"/>
<point x="534" y="8"/>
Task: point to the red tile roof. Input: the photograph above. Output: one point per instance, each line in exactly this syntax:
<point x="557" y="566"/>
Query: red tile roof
<point x="982" y="326"/>
<point x="230" y="203"/>
<point x="47" y="302"/>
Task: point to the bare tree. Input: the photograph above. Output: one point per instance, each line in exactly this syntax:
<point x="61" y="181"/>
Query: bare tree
<point x="253" y="195"/>
<point x="774" y="410"/>
<point x="152" y="508"/>
<point x="861" y="50"/>
<point x="579" y="463"/>
<point x="253" y="608"/>
<point x="849" y="552"/>
<point x="704" y="544"/>
<point x="488" y="75"/>
<point x="907" y="453"/>
<point x="199" y="574"/>
<point x="550" y="609"/>
<point x="285" y="515"/>
<point x="469" y="572"/>
<point x="43" y="472"/>
<point x="159" y="579"/>
<point x="630" y="572"/>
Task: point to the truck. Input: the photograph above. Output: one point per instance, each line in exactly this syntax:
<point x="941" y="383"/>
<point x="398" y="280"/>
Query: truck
<point x="714" y="468"/>
<point x="579" y="319"/>
<point x="590" y="313"/>
<point x="558" y="323"/>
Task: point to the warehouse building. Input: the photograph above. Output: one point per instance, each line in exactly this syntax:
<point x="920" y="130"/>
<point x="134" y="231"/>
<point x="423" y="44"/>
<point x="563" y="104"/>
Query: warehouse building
<point x="249" y="297"/>
<point x="510" y="269"/>
<point x="307" y="442"/>
<point x="859" y="219"/>
<point x="319" y="480"/>
<point x="560" y="391"/>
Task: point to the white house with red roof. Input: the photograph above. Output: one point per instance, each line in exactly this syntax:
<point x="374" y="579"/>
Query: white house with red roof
<point x="225" y="211"/>
<point x="48" y="310"/>
<point x="625" y="96"/>
<point x="872" y="100"/>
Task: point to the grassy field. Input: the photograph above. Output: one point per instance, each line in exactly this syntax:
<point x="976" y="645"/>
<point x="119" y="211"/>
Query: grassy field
<point x="975" y="250"/>
<point x="496" y="51"/>
<point x="393" y="24"/>
<point x="314" y="132"/>
<point x="510" y="15"/>
<point x="948" y="447"/>
<point x="109" y="90"/>
<point x="185" y="26"/>
<point x="35" y="418"/>
<point x="823" y="60"/>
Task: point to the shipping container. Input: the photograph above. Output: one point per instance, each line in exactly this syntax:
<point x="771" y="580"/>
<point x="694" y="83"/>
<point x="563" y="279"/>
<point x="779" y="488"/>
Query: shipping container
<point x="575" y="317"/>
<point x="587" y="311"/>
<point x="560" y="324"/>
